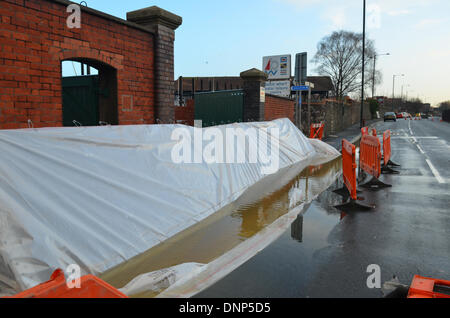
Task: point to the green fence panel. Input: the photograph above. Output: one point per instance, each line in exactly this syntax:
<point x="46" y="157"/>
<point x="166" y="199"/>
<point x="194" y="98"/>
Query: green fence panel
<point x="80" y="100"/>
<point x="219" y="108"/>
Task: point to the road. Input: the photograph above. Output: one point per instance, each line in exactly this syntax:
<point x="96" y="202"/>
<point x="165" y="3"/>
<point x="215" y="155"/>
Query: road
<point x="408" y="232"/>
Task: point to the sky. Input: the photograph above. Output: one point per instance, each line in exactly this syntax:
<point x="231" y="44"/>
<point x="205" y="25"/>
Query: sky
<point x="224" y="38"/>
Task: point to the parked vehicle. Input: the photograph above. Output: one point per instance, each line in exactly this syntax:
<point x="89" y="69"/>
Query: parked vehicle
<point x="390" y="116"/>
<point x="400" y="116"/>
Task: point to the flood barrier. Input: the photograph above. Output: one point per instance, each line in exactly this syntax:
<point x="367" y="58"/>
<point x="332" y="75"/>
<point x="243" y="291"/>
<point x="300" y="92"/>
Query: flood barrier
<point x="317" y="131"/>
<point x="349" y="174"/>
<point x="370" y="161"/>
<point x="387" y="152"/>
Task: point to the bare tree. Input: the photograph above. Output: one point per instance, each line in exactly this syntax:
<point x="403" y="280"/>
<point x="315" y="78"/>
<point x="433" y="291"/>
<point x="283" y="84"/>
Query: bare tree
<point x="339" y="56"/>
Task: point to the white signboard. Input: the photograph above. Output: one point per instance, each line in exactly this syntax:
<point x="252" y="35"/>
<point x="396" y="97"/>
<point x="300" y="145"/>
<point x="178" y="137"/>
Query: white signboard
<point x="262" y="98"/>
<point x="279" y="88"/>
<point x="277" y="67"/>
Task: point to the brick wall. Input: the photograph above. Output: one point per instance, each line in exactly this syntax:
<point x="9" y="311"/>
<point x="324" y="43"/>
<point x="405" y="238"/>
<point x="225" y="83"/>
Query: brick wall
<point x="185" y="115"/>
<point x="35" y="39"/>
<point x="336" y="116"/>
<point x="278" y="107"/>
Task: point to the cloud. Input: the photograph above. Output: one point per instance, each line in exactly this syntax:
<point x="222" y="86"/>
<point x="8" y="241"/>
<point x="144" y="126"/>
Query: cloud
<point x="337" y="16"/>
<point x="424" y="23"/>
<point x="301" y="3"/>
<point x="396" y="13"/>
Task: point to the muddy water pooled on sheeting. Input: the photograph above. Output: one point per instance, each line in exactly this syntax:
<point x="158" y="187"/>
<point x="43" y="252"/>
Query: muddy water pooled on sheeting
<point x="230" y="226"/>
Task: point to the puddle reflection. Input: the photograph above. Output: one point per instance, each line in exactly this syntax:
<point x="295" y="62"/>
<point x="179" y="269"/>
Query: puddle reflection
<point x="232" y="225"/>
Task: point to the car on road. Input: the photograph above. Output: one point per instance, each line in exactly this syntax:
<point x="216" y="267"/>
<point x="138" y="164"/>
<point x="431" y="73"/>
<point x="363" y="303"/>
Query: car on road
<point x="390" y="116"/>
<point x="399" y="115"/>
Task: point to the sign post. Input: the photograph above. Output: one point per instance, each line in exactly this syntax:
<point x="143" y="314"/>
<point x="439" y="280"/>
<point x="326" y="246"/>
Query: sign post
<point x="299" y="89"/>
<point x="301" y="71"/>
<point x="311" y="86"/>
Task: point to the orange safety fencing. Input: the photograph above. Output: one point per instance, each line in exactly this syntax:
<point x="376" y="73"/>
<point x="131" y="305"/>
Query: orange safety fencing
<point x="349" y="167"/>
<point x="56" y="287"/>
<point x="317" y="131"/>
<point x="349" y="175"/>
<point x="387" y="153"/>
<point x="370" y="155"/>
<point x="374" y="132"/>
<point x="387" y="147"/>
<point x="365" y="131"/>
<point x="423" y="287"/>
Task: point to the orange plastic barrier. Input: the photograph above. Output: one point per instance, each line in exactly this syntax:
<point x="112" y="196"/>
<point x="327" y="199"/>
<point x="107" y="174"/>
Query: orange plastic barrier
<point x="374" y="132"/>
<point x="387" y="152"/>
<point x="349" y="174"/>
<point x="56" y="287"/>
<point x="387" y="146"/>
<point x="370" y="161"/>
<point x="370" y="155"/>
<point x="423" y="287"/>
<point x="365" y="131"/>
<point x="317" y="131"/>
<point x="349" y="167"/>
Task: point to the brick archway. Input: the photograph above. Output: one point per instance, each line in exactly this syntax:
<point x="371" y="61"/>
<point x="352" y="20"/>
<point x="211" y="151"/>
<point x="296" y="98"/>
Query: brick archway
<point x="105" y="92"/>
<point x="137" y="52"/>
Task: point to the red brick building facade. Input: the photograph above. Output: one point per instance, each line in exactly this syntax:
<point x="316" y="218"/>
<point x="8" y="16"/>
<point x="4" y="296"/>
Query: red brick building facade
<point x="134" y="59"/>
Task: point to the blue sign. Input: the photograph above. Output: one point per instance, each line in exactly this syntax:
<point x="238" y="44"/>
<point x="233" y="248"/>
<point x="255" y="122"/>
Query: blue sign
<point x="300" y="88"/>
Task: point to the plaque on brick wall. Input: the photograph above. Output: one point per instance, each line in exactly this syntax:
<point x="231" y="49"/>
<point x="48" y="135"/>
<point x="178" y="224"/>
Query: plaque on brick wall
<point x="262" y="95"/>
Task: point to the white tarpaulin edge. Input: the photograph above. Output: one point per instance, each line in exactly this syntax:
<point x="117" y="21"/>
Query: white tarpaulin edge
<point x="97" y="197"/>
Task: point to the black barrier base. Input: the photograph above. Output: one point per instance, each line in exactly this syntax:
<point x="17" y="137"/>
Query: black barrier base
<point x="344" y="192"/>
<point x="375" y="184"/>
<point x="353" y="205"/>
<point x="388" y="170"/>
<point x="392" y="164"/>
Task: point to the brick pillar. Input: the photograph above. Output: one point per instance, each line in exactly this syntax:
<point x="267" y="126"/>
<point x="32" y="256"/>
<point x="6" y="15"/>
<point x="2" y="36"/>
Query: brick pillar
<point x="163" y="25"/>
<point x="254" y="94"/>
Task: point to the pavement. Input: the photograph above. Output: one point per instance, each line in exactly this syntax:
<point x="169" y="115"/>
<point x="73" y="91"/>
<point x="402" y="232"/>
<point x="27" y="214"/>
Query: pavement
<point x="352" y="134"/>
<point x="407" y="234"/>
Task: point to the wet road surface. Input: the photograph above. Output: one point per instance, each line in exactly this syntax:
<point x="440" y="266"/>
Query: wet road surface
<point x="327" y="253"/>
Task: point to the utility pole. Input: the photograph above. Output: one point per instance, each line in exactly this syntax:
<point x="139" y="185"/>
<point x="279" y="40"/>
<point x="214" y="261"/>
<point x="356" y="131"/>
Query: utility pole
<point x="363" y="63"/>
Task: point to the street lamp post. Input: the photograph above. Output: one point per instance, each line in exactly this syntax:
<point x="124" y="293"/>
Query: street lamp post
<point x="374" y="70"/>
<point x="363" y="63"/>
<point x="393" y="89"/>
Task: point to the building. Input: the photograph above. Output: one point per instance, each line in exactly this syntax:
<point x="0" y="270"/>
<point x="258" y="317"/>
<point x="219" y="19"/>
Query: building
<point x="323" y="86"/>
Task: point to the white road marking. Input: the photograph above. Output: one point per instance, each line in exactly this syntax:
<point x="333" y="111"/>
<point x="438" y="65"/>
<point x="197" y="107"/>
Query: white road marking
<point x="435" y="172"/>
<point x="420" y="149"/>
<point x="430" y="164"/>
<point x="409" y="137"/>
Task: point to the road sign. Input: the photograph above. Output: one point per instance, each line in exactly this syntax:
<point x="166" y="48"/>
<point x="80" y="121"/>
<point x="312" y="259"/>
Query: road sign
<point x="300" y="88"/>
<point x="301" y="67"/>
<point x="277" y="67"/>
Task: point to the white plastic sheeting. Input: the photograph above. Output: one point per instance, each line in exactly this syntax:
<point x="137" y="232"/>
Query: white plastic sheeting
<point x="99" y="196"/>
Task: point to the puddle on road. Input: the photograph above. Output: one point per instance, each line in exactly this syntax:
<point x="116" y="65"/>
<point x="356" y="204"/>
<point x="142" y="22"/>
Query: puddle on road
<point x="230" y="226"/>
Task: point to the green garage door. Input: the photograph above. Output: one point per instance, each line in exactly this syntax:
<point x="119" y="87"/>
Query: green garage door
<point x="80" y="100"/>
<point x="219" y="108"/>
